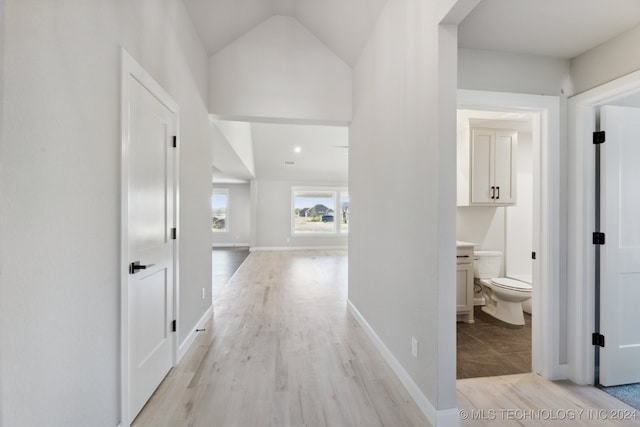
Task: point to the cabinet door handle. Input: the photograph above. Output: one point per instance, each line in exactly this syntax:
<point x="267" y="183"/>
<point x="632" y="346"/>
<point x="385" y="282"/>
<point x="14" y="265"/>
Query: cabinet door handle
<point x="493" y="193"/>
<point x="498" y="188"/>
<point x="462" y="256"/>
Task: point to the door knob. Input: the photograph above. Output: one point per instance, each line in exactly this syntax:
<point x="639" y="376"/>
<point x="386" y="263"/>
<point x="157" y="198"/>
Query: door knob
<point x="135" y="266"/>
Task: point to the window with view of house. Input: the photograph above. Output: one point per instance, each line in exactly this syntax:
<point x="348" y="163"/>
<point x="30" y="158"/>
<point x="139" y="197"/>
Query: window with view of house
<point x="319" y="211"/>
<point x="220" y="210"/>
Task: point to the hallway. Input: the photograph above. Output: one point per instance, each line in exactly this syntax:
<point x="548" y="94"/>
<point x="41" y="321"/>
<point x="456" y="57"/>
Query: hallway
<point x="284" y="351"/>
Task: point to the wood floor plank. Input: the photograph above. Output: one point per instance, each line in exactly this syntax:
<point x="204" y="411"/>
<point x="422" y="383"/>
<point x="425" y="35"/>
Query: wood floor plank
<point x="528" y="399"/>
<point x="282" y="350"/>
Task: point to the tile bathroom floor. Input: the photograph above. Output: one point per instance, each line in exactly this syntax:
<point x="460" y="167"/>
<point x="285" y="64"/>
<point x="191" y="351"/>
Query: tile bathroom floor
<point x="490" y="347"/>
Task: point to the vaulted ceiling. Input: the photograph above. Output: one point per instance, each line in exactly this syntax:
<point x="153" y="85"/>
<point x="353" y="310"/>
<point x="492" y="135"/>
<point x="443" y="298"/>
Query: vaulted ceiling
<point x="342" y="25"/>
<point x="557" y="28"/>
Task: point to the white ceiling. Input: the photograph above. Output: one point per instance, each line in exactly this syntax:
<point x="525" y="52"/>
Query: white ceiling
<point x="323" y="152"/>
<point x="558" y="28"/>
<point x="342" y="25"/>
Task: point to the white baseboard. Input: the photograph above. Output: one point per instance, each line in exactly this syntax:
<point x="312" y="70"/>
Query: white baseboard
<point x="230" y="245"/>
<point x="446" y="417"/>
<point x="297" y="248"/>
<point x="186" y="344"/>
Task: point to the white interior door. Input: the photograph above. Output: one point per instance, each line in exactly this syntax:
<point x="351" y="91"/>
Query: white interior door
<point x="620" y="255"/>
<point x="150" y="223"/>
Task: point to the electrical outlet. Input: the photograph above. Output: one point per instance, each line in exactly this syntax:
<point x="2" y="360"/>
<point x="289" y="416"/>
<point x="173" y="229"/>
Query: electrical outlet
<point x="414" y="347"/>
<point x="204" y="293"/>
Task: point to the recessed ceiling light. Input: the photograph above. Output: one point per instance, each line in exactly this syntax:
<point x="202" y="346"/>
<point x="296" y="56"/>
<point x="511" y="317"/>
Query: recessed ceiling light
<point x="297" y="149"/>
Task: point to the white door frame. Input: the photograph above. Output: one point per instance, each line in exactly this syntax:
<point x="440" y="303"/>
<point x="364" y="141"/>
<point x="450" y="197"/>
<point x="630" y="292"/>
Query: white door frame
<point x="546" y="316"/>
<point x="132" y="70"/>
<point x="582" y="110"/>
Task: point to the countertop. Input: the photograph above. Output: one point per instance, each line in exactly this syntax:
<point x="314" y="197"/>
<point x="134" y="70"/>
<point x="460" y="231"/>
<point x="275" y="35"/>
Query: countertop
<point x="461" y="244"/>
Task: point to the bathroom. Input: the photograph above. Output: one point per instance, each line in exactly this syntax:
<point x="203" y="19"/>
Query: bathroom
<point x="501" y="232"/>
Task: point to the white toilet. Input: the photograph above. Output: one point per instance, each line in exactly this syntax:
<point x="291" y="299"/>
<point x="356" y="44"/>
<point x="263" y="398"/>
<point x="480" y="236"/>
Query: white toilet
<point x="503" y="296"/>
<point x="526" y="278"/>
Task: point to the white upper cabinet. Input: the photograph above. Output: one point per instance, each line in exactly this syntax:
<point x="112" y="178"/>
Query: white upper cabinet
<point x="487" y="167"/>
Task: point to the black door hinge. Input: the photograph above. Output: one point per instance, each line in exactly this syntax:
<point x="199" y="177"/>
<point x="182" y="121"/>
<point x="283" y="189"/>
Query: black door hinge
<point x="533" y="255"/>
<point x="175" y="141"/>
<point x="174" y="234"/>
<point x="597" y="339"/>
<point x="173" y="326"/>
<point x="598" y="137"/>
<point x="598" y="238"/>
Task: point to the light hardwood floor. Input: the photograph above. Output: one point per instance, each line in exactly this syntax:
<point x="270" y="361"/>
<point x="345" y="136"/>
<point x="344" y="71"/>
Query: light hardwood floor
<point x="527" y="399"/>
<point x="283" y="351"/>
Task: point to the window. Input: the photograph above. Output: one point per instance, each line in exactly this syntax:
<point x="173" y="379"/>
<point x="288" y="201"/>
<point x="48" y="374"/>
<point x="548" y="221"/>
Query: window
<point x="315" y="213"/>
<point x="220" y="210"/>
<point x="344" y="207"/>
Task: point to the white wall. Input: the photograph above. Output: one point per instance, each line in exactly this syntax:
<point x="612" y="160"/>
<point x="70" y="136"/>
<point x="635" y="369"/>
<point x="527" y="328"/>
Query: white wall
<point x="225" y="159"/>
<point x="238" y="136"/>
<point x="279" y="70"/>
<point x="273" y="217"/>
<point x="395" y="264"/>
<point x="239" y="217"/>
<point x="615" y="58"/>
<point x="512" y="72"/>
<point x="3" y="338"/>
<point x="481" y="225"/>
<point x="59" y="249"/>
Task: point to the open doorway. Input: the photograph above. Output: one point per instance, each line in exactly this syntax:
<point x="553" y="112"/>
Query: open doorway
<point x="495" y="216"/>
<point x="548" y="326"/>
<point x="606" y="307"/>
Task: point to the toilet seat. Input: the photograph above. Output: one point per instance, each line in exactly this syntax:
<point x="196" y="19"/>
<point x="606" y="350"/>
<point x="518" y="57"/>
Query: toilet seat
<point x="511" y="284"/>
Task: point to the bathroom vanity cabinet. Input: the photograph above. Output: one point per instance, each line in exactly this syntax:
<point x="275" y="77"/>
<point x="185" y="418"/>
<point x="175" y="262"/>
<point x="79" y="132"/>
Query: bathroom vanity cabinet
<point x="487" y="167"/>
<point x="464" y="282"/>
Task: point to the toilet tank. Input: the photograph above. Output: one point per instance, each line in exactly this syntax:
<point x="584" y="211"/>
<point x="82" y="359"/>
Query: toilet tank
<point x="486" y="264"/>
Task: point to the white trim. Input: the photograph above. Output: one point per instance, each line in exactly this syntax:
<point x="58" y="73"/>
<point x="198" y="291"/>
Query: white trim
<point x="546" y="309"/>
<point x="225" y="192"/>
<point x="448" y="417"/>
<point x="131" y="69"/>
<point x="230" y="245"/>
<point x="297" y="248"/>
<point x="176" y="223"/>
<point x="280" y="120"/>
<point x="435" y="417"/>
<point x="581" y="274"/>
<point x="191" y="337"/>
